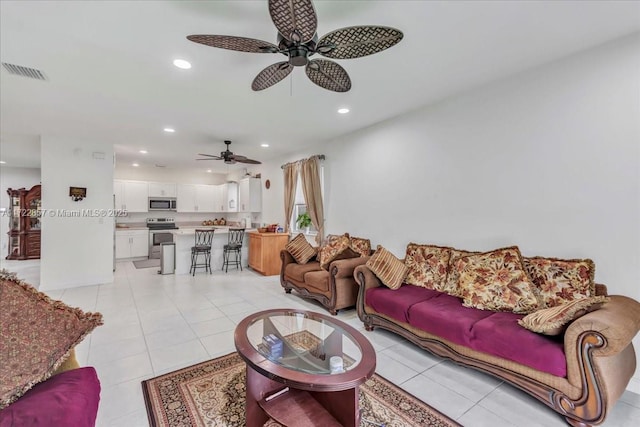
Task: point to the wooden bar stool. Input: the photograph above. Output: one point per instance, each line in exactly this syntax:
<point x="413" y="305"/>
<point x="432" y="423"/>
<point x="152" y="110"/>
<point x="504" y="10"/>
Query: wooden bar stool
<point x="203" y="239"/>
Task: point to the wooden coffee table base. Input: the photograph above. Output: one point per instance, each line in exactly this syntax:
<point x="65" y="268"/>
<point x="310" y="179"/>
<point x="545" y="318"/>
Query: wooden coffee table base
<point x="298" y="407"/>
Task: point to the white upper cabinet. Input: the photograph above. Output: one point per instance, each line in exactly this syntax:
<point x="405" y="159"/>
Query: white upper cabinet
<point x="229" y="197"/>
<point x="132" y="196"/>
<point x="196" y="198"/>
<point x="163" y="189"/>
<point x="250" y="195"/>
<point x="205" y="198"/>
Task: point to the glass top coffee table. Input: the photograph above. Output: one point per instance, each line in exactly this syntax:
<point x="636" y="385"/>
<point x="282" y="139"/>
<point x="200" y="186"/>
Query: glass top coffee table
<point x="303" y="368"/>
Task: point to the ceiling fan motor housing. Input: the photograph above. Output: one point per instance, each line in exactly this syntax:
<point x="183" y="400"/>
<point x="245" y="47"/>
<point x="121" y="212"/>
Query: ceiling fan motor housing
<point x="298" y="53"/>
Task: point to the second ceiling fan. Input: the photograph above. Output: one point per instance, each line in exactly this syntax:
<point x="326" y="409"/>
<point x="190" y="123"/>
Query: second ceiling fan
<point x="296" y="22"/>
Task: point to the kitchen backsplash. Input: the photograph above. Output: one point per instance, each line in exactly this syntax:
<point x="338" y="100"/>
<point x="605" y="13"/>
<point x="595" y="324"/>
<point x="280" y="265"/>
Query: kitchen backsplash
<point x="140" y="217"/>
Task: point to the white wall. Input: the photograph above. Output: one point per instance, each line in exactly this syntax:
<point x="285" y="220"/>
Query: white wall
<point x="76" y="251"/>
<point x="548" y="160"/>
<point x="14" y="178"/>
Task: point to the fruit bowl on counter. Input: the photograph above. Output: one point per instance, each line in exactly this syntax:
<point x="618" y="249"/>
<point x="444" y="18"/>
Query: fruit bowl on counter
<point x="210" y="222"/>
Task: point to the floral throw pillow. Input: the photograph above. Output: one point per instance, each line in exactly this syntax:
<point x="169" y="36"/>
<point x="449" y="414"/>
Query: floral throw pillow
<point x="37" y="334"/>
<point x="497" y="281"/>
<point x="300" y="249"/>
<point x="387" y="267"/>
<point x="427" y="265"/>
<point x="338" y="248"/>
<point x="553" y="320"/>
<point x="560" y="281"/>
<point x="360" y="245"/>
<point x="450" y="285"/>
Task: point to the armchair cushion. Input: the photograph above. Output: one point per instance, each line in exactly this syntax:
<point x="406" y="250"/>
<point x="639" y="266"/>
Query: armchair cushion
<point x="360" y="245"/>
<point x="297" y="271"/>
<point x="552" y="321"/>
<point x="336" y="249"/>
<point x="497" y="281"/>
<point x="300" y="249"/>
<point x="37" y="334"/>
<point x="387" y="267"/>
<point x="561" y="281"/>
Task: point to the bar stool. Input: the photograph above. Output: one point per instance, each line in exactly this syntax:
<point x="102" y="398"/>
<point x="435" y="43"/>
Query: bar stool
<point x="203" y="239"/>
<point x="234" y="245"/>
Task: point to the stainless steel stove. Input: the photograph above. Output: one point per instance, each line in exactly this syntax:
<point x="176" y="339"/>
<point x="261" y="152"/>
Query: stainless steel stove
<point x="158" y="234"/>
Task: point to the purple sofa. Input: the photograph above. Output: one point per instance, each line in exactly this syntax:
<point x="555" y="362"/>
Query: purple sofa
<point x="580" y="374"/>
<point x="69" y="398"/>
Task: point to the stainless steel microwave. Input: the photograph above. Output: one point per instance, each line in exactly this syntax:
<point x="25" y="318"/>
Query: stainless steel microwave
<point x="162" y="203"/>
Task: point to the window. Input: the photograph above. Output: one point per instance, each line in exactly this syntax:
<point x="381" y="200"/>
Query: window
<point x="300" y="206"/>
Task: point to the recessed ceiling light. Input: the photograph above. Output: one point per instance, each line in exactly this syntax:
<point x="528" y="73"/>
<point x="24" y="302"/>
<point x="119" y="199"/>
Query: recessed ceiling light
<point x="181" y="63"/>
<point x="208" y="170"/>
<point x="143" y="151"/>
<point x="170" y="130"/>
<point x="135" y="165"/>
<point x="2" y="162"/>
<point x="343" y="110"/>
<point x="264" y="145"/>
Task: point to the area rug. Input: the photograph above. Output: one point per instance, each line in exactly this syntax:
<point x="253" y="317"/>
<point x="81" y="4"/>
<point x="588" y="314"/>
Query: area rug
<point x="147" y="263"/>
<point x="213" y="393"/>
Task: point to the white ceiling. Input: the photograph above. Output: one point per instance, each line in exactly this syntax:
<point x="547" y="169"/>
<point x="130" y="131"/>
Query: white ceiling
<point x="110" y="73"/>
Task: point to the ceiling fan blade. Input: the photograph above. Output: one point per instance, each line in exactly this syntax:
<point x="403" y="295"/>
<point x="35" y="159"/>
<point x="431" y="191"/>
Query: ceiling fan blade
<point x="271" y="75"/>
<point x="355" y="42"/>
<point x="329" y="75"/>
<point x="209" y="155"/>
<point x="245" y="160"/>
<point x="296" y="20"/>
<point x="242" y="44"/>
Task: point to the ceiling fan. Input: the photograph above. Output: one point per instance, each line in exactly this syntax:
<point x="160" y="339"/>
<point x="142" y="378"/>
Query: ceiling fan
<point x="296" y="22"/>
<point x="230" y="158"/>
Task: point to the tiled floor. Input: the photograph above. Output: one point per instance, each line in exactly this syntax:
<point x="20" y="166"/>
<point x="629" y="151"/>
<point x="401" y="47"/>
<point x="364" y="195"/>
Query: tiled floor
<point x="155" y="324"/>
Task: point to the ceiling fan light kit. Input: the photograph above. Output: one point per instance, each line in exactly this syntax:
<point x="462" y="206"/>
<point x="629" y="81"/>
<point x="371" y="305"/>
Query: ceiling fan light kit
<point x="297" y="22"/>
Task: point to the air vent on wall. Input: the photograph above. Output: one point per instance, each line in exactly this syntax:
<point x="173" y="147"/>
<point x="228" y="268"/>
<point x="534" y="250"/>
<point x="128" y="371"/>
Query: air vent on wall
<point x="19" y="70"/>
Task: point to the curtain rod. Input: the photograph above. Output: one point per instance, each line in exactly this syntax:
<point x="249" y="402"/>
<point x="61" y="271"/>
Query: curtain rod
<point x="319" y="156"/>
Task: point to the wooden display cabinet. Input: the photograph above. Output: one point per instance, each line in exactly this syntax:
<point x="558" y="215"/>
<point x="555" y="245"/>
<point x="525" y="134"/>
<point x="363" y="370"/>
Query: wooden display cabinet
<point x="24" y="223"/>
<point x="264" y="252"/>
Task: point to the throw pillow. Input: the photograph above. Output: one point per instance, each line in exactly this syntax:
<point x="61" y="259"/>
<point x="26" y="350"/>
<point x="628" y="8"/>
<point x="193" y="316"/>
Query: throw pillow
<point x="300" y="249"/>
<point x="336" y="249"/>
<point x="552" y="321"/>
<point x="427" y="265"/>
<point x="561" y="280"/>
<point x="497" y="281"/>
<point x="36" y="335"/>
<point x="360" y="245"/>
<point x="450" y="285"/>
<point x="387" y="267"/>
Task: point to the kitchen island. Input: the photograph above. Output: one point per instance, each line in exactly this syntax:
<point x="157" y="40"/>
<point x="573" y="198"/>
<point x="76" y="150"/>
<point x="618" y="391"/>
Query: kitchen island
<point x="184" y="238"/>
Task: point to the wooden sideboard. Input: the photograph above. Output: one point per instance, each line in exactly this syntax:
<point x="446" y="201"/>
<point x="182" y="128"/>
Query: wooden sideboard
<point x="264" y="251"/>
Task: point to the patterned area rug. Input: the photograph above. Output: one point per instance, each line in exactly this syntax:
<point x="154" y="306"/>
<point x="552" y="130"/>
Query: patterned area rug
<point x="212" y="394"/>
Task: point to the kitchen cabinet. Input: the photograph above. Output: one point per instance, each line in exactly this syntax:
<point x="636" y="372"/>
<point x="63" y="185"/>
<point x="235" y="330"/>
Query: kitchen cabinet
<point x="196" y="198"/>
<point x="132" y="196"/>
<point x="250" y="195"/>
<point x="163" y="189"/>
<point x="229" y="197"/>
<point x="264" y="252"/>
<point x="132" y="243"/>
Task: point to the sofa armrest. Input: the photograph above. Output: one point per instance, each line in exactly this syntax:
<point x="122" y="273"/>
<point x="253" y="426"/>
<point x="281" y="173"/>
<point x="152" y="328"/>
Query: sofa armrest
<point x="365" y="278"/>
<point x="618" y="322"/>
<point x="345" y="267"/>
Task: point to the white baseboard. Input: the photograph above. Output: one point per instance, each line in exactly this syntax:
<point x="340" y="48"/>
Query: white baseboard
<point x="634" y="385"/>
